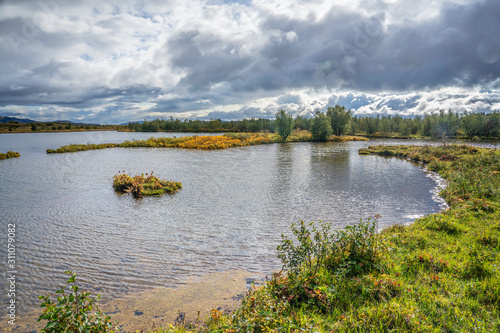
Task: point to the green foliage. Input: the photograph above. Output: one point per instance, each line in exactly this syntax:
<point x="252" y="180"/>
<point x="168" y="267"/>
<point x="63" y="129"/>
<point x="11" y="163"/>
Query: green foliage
<point x="348" y="252"/>
<point x="284" y="124"/>
<point x="212" y="125"/>
<point x="72" y="311"/>
<point x="439" y="274"/>
<point x="303" y="123"/>
<point x="481" y="124"/>
<point x="339" y="119"/>
<point x="321" y="129"/>
<point x="310" y="252"/>
<point x="355" y="250"/>
<point x="10" y="154"/>
<point x="141" y="186"/>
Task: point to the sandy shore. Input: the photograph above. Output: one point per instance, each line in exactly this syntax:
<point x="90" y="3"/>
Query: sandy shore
<point x="161" y="306"/>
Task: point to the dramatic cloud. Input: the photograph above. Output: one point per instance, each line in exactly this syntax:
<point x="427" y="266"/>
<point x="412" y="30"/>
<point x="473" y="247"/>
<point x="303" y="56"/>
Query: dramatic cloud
<point x="118" y="61"/>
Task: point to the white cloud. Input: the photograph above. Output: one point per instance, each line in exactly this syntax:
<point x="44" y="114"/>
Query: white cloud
<point x="120" y="60"/>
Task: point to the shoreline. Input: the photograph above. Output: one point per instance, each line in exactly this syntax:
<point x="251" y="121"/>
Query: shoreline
<point x="161" y="306"/>
<point x="432" y="228"/>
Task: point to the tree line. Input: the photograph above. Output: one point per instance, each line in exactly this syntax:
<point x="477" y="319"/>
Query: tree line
<point x="338" y="120"/>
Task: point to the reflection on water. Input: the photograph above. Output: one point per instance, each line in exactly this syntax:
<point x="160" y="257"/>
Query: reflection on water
<point x="229" y="215"/>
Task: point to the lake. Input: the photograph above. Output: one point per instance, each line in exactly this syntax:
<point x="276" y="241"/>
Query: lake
<point x="229" y="215"/>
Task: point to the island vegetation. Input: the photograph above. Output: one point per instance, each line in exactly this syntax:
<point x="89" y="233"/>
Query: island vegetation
<point x="206" y="142"/>
<point x="144" y="185"/>
<point x="10" y="154"/>
<point x="439" y="274"/>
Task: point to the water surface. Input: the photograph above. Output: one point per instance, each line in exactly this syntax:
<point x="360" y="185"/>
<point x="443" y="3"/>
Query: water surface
<point x="229" y="215"/>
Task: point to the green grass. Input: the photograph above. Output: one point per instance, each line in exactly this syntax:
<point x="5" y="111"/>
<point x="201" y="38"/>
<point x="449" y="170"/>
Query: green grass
<point x="440" y="274"/>
<point x="10" y="154"/>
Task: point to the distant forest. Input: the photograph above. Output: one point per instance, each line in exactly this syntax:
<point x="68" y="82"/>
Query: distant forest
<point x="453" y="124"/>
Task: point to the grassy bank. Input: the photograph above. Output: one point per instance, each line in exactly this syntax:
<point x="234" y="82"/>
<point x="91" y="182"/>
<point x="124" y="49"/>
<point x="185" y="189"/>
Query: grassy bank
<point x="227" y="140"/>
<point x="10" y="154"/>
<point x="440" y="274"/>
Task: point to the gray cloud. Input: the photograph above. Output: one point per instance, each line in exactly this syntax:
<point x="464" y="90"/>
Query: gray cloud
<point x="126" y="60"/>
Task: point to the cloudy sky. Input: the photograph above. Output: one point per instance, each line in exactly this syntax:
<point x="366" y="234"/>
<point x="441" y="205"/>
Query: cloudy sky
<point x="127" y="60"/>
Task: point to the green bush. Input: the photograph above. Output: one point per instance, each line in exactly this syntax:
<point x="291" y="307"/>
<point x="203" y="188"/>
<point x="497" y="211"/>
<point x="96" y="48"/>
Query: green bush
<point x="314" y="245"/>
<point x="321" y="129"/>
<point x="348" y="252"/>
<point x="10" y="154"/>
<point x="355" y="250"/>
<point x="71" y="312"/>
<point x="141" y="186"/>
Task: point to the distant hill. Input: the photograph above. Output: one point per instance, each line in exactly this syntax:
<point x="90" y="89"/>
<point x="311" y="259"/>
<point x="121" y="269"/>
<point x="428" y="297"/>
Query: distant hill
<point x="19" y="120"/>
<point x="71" y="122"/>
<point x="4" y="120"/>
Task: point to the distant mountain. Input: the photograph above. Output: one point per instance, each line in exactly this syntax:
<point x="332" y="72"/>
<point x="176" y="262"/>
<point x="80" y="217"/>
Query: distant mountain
<point x="128" y="122"/>
<point x="72" y="123"/>
<point x="26" y="121"/>
<point x="19" y="120"/>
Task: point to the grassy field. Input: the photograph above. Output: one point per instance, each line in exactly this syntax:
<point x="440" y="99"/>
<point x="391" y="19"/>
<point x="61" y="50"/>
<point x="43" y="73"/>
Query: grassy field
<point x="439" y="274"/>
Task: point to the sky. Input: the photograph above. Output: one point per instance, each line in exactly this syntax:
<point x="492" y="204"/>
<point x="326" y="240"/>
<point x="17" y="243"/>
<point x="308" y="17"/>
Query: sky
<point x="117" y="61"/>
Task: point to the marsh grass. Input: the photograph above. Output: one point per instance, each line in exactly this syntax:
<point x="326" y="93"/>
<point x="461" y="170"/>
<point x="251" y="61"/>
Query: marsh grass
<point x="206" y="142"/>
<point x="144" y="185"/>
<point x="10" y="154"/>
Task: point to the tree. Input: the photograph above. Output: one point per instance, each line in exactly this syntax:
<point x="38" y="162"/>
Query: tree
<point x="321" y="129"/>
<point x="284" y="124"/>
<point x="303" y="123"/>
<point x="445" y="122"/>
<point x="339" y="119"/>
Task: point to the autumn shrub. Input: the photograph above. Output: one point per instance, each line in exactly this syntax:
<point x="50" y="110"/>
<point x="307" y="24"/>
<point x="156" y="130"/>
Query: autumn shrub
<point x="355" y="249"/>
<point x="10" y="154"/>
<point x="75" y="311"/>
<point x="140" y="185"/>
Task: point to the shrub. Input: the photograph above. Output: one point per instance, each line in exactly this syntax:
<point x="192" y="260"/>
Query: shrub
<point x="312" y="249"/>
<point x="10" y="154"/>
<point x="71" y="312"/>
<point x="355" y="250"/>
<point x="350" y="252"/>
<point x="140" y="186"/>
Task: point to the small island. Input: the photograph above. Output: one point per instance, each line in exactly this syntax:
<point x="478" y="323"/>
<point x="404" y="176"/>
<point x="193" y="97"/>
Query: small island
<point x="206" y="142"/>
<point x="10" y="154"/>
<point x="144" y="185"/>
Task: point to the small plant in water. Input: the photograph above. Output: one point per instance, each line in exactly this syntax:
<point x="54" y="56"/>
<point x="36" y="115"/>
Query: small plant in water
<point x="72" y="311"/>
<point x="140" y="185"/>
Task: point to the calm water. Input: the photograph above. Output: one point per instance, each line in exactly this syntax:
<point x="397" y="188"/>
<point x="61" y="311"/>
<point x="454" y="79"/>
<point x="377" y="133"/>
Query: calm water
<point x="229" y="215"/>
